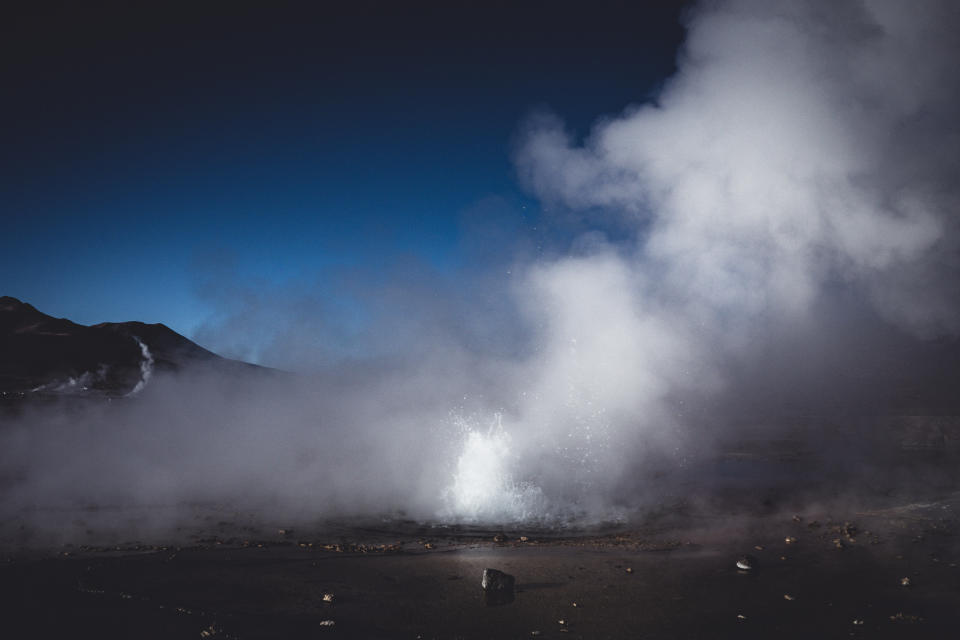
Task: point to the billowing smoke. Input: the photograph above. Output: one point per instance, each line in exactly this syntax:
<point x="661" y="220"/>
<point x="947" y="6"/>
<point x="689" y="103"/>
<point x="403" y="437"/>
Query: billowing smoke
<point x="798" y="145"/>
<point x="793" y="185"/>
<point x="776" y="232"/>
<point x="146" y="367"/>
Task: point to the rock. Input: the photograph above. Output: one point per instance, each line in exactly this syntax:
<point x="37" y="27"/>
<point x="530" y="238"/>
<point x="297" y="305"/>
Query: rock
<point x="328" y="597"/>
<point x="746" y="563"/>
<point x="494" y="580"/>
<point x="904" y="582"/>
<point x="787" y="596"/>
<point x="790" y="540"/>
<point x="498" y="587"/>
<point x="327" y="623"/>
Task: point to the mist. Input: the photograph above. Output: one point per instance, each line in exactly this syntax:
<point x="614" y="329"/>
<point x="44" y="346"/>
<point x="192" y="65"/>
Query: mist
<point x="772" y="237"/>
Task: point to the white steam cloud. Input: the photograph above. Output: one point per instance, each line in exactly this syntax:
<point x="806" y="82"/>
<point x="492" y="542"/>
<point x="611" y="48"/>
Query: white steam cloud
<point x="799" y="143"/>
<point x="146" y="367"/>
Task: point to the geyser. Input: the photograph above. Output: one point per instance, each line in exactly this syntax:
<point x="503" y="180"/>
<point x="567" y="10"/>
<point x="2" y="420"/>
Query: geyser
<point x="775" y="228"/>
<point x="484" y="488"/>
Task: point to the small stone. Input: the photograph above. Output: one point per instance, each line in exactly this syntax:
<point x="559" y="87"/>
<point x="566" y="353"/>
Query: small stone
<point x="797" y="519"/>
<point x="849" y="530"/>
<point x="328" y="597"/>
<point x="905" y="582"/>
<point x="858" y="622"/>
<point x="758" y="547"/>
<point x="428" y="545"/>
<point x="499" y="538"/>
<point x="741" y="617"/>
<point x="327" y="623"/>
<point x="629" y="569"/>
<point x="787" y="596"/>
<point x="905" y="617"/>
<point x="524" y="539"/>
<point x="790" y="540"/>
<point x="838" y="543"/>
<point x="746" y="563"/>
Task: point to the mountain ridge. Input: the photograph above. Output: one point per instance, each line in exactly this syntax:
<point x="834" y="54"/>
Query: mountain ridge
<point x="43" y="354"/>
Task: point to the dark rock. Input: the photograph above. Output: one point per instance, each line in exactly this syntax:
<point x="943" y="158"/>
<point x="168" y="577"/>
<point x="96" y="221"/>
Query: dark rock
<point x="498" y="587"/>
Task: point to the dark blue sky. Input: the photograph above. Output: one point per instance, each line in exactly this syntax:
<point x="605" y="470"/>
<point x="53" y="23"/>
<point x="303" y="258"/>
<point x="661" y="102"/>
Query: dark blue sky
<point x="141" y="148"/>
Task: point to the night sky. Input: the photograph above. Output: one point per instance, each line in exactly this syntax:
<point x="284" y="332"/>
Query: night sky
<point x="145" y="148"/>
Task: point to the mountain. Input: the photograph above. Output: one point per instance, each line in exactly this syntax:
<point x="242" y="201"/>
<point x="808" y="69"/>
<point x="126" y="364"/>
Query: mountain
<point x="43" y="354"/>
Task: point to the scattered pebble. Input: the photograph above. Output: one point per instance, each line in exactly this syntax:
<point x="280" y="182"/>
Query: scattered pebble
<point x="787" y="596"/>
<point x="790" y="540"/>
<point x="741" y="617"/>
<point x="327" y="623"/>
<point x="905" y="582"/>
<point x="858" y="622"/>
<point x="328" y="597"/>
<point x="629" y="569"/>
<point x="210" y="632"/>
<point x="905" y="617"/>
<point x="746" y="563"/>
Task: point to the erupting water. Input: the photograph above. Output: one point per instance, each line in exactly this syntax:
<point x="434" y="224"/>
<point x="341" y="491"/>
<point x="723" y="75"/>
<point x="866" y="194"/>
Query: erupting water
<point x="484" y="489"/>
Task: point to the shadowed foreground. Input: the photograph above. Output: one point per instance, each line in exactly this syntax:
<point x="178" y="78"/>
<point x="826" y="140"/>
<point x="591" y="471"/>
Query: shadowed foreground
<point x="841" y="577"/>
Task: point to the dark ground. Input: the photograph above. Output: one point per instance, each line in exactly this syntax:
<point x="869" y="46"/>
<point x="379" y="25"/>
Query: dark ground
<point x="674" y="579"/>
